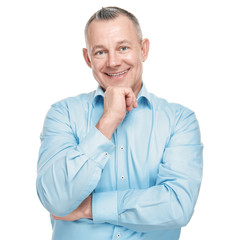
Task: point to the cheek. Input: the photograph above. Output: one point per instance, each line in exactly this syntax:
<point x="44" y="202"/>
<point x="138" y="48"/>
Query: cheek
<point x="133" y="59"/>
<point x="97" y="64"/>
<point x="95" y="67"/>
<point x="129" y="59"/>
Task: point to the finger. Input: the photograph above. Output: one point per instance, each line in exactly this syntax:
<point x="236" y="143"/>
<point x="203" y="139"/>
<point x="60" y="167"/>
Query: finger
<point x="55" y="217"/>
<point x="135" y="102"/>
<point x="129" y="100"/>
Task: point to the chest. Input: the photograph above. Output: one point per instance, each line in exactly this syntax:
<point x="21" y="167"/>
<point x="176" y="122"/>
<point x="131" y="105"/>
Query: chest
<point x="139" y="145"/>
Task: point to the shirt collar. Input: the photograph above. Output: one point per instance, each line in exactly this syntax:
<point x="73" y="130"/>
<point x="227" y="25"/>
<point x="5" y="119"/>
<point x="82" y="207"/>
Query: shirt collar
<point x="142" y="97"/>
<point x="98" y="96"/>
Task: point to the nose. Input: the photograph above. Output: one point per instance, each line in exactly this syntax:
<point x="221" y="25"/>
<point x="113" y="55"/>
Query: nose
<point x="114" y="60"/>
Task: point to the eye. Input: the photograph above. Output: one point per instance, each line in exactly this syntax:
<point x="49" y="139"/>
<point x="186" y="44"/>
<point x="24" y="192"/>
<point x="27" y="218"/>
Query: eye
<point x="99" y="53"/>
<point x="123" y="49"/>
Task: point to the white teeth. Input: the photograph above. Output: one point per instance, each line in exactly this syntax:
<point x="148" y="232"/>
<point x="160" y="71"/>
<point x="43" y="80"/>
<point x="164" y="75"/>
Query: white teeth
<point x="116" y="74"/>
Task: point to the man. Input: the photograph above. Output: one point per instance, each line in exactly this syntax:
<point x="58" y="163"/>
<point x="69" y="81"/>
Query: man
<point x="118" y="163"/>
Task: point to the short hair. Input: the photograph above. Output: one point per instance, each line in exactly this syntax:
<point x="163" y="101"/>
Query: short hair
<point x="109" y="13"/>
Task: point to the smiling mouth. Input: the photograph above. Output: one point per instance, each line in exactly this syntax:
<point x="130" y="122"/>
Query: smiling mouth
<point x="117" y="74"/>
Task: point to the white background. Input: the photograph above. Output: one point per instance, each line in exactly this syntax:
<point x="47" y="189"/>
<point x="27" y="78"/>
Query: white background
<point x="194" y="60"/>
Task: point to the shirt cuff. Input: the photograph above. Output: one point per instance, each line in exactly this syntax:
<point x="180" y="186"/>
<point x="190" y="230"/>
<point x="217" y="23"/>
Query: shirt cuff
<point x="104" y="207"/>
<point x="94" y="145"/>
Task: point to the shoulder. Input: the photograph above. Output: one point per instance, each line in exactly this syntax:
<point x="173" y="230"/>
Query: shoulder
<point x="172" y="109"/>
<point x="180" y="119"/>
<point x="71" y="108"/>
<point x="176" y="115"/>
<point x="81" y="100"/>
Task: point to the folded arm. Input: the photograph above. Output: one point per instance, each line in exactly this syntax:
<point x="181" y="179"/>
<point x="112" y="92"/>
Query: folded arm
<point x="68" y="171"/>
<point x="168" y="204"/>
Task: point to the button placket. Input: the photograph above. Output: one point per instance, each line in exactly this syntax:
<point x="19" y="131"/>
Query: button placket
<point x="122" y="148"/>
<point x="117" y="234"/>
<point x="122" y="184"/>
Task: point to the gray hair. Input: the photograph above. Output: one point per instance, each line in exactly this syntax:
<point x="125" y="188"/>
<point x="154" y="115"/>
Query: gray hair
<point x="109" y="13"/>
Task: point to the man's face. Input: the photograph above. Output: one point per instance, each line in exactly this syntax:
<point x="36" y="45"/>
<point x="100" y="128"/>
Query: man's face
<point x="115" y="53"/>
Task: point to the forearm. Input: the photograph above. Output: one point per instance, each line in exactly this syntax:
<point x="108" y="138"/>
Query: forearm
<point x="164" y="206"/>
<point x="168" y="204"/>
<point x="106" y="125"/>
<point x="67" y="178"/>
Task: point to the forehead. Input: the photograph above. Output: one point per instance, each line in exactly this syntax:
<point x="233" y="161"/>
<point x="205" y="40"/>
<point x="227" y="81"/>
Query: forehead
<point x="111" y="30"/>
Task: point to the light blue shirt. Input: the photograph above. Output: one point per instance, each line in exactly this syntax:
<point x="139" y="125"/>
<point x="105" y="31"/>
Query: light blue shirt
<point x="144" y="181"/>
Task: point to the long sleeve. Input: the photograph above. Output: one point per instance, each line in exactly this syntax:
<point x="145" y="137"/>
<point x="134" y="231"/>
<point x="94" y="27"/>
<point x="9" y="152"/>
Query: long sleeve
<point x="169" y="204"/>
<point x="68" y="170"/>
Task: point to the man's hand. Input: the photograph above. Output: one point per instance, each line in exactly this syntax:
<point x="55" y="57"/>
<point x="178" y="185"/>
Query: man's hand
<point x="84" y="210"/>
<point x="117" y="100"/>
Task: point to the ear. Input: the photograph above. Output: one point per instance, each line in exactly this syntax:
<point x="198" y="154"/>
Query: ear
<point x="86" y="57"/>
<point x="145" y="48"/>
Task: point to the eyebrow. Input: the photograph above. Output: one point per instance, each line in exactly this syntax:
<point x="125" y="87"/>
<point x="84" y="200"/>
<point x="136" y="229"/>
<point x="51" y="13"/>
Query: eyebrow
<point x="118" y="43"/>
<point x="124" y="42"/>
<point x="97" y="47"/>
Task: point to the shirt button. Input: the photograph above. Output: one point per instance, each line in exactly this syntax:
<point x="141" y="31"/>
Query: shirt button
<point x="118" y="235"/>
<point x="122" y="147"/>
<point x="122" y="177"/>
<point x="106" y="154"/>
